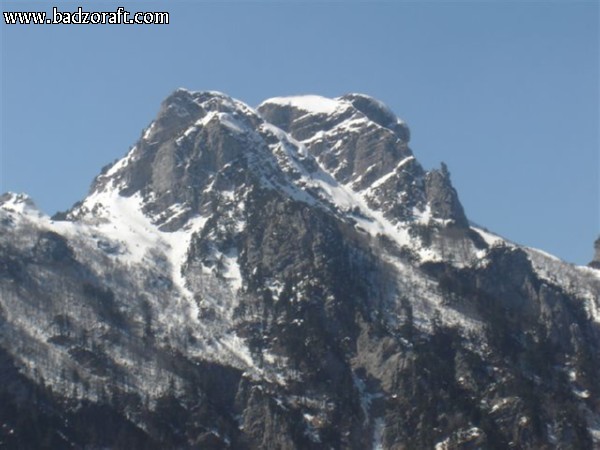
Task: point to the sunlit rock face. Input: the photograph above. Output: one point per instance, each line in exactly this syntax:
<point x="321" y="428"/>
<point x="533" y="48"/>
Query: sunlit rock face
<point x="286" y="277"/>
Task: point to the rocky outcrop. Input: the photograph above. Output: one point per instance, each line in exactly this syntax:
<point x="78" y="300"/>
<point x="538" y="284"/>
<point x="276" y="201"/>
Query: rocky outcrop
<point x="596" y="261"/>
<point x="443" y="199"/>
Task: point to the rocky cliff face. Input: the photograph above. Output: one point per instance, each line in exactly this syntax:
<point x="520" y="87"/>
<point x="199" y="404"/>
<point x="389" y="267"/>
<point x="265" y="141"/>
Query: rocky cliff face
<point x="596" y="261"/>
<point x="286" y="277"/>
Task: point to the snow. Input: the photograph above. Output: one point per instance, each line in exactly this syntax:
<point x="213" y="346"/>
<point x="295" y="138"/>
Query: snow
<point x="191" y="130"/>
<point x="319" y="188"/>
<point x="231" y="122"/>
<point x="290" y="153"/>
<point x="387" y="176"/>
<point x="501" y="403"/>
<point x="179" y="243"/>
<point x="121" y="220"/>
<point x="490" y="238"/>
<point x="149" y="131"/>
<point x="582" y="282"/>
<point x="379" y="104"/>
<point x="594" y="427"/>
<point x="238" y="348"/>
<point x="378" y="430"/>
<point x="463" y="435"/>
<point x="581" y="393"/>
<point x="314" y="104"/>
<point x="443" y="445"/>
<point x="572" y="375"/>
<point x="232" y="269"/>
<point x="225" y="101"/>
<point x="543" y="253"/>
<point x="121" y="223"/>
<point x="352" y="125"/>
<point x="365" y="397"/>
<point x="20" y="204"/>
<point x="123" y="162"/>
<point x="311" y="432"/>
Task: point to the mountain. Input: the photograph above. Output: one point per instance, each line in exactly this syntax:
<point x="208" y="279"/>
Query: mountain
<point x="286" y="277"/>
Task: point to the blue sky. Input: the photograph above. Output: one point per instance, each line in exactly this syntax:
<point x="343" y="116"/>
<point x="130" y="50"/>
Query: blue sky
<point x="506" y="93"/>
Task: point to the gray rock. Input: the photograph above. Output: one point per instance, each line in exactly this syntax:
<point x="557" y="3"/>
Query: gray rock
<point x="596" y="261"/>
<point x="443" y="199"/>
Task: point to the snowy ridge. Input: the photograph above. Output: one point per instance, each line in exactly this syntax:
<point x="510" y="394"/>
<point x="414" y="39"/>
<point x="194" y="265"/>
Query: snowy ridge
<point x="382" y="106"/>
<point x="19" y="204"/>
<point x="312" y="104"/>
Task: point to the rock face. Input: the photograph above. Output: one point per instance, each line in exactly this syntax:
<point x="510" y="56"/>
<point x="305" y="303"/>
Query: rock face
<point x="443" y="199"/>
<point x="596" y="261"/>
<point x="288" y="277"/>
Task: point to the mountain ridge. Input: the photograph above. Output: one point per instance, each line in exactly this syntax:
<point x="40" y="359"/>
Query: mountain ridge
<point x="291" y="277"/>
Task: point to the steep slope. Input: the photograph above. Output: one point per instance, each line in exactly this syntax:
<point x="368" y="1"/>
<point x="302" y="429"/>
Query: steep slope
<point x="286" y="277"/>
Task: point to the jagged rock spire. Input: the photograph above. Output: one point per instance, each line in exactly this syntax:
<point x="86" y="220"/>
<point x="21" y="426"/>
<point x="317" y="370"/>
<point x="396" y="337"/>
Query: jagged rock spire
<point x="596" y="261"/>
<point x="443" y="199"/>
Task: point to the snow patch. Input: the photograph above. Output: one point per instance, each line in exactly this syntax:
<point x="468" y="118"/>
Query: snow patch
<point x="231" y="271"/>
<point x="229" y="121"/>
<point x="20" y="204"/>
<point x="582" y="282"/>
<point x="314" y="104"/>
<point x="149" y="131"/>
<point x="120" y="164"/>
<point x="387" y="176"/>
<point x="378" y="430"/>
<point x="491" y="239"/>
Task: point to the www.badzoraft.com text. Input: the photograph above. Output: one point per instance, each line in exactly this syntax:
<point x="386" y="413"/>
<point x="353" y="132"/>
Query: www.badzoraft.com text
<point x="81" y="17"/>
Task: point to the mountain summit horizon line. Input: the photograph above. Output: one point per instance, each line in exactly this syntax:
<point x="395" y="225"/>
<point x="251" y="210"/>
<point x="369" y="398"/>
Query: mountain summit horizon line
<point x="377" y="111"/>
<point x="286" y="277"/>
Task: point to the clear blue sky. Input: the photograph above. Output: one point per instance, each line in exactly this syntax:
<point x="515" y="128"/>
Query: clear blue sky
<point x="507" y="94"/>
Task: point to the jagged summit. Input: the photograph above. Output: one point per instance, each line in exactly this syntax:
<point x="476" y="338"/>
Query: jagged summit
<point x="16" y="198"/>
<point x="18" y="203"/>
<point x="307" y="104"/>
<point x="443" y="198"/>
<point x="282" y="110"/>
<point x="379" y="113"/>
<point x="286" y="277"/>
<point x="199" y="138"/>
<point x="596" y="261"/>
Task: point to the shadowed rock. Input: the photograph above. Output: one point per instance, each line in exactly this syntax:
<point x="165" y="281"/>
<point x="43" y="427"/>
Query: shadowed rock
<point x="596" y="261"/>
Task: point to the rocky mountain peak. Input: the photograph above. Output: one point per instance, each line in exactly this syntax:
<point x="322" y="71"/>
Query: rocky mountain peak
<point x="200" y="139"/>
<point x="379" y="113"/>
<point x="596" y="261"/>
<point x="443" y="198"/>
<point x="18" y="202"/>
<point x="364" y="145"/>
<point x="188" y="150"/>
<point x="286" y="278"/>
<point x="184" y="109"/>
